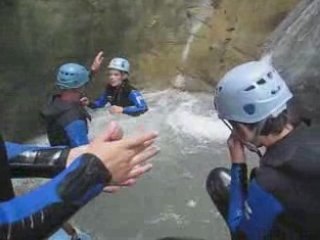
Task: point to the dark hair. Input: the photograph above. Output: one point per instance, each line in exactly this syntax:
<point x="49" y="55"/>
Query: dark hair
<point x="276" y="125"/>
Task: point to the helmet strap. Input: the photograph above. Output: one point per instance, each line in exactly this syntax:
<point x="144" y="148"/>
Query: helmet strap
<point x="251" y="146"/>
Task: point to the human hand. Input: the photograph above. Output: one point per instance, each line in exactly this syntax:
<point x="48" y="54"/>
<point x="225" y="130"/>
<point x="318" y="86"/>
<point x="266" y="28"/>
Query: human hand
<point x="116" y="110"/>
<point x="84" y="101"/>
<point x="97" y="62"/>
<point x="125" y="159"/>
<point x="236" y="150"/>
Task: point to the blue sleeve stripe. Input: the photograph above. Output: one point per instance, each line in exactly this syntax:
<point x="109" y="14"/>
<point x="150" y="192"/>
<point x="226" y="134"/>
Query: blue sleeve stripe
<point x="24" y="206"/>
<point x="14" y="149"/>
<point x="77" y="132"/>
<point x="237" y="197"/>
<point x="139" y="104"/>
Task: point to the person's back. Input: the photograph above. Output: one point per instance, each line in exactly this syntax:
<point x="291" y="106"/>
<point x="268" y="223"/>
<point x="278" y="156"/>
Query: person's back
<point x="65" y="117"/>
<point x="290" y="169"/>
<point x="281" y="200"/>
<point x="58" y="115"/>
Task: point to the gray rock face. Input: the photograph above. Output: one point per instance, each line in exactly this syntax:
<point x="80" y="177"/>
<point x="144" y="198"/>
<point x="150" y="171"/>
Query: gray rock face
<point x="295" y="46"/>
<point x="37" y="36"/>
<point x="160" y="37"/>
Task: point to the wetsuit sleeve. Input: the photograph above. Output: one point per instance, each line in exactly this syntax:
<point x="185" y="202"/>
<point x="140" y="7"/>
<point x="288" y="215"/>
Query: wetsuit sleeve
<point x="77" y="132"/>
<point x="253" y="212"/>
<point x="139" y="104"/>
<point x="35" y="161"/>
<point x="99" y="102"/>
<point x="39" y="213"/>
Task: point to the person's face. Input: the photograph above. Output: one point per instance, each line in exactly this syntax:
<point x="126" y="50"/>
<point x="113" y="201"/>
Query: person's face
<point x="116" y="77"/>
<point x="79" y="93"/>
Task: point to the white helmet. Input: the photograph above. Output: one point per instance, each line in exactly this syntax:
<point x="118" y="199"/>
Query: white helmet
<point x="251" y="92"/>
<point x="120" y="64"/>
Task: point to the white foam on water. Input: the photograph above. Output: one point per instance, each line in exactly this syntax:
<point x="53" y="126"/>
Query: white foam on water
<point x="184" y="114"/>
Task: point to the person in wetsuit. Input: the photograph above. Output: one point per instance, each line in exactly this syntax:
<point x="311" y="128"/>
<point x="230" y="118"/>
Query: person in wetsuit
<point x="65" y="117"/>
<point x="119" y="93"/>
<point x="281" y="201"/>
<point x="79" y="175"/>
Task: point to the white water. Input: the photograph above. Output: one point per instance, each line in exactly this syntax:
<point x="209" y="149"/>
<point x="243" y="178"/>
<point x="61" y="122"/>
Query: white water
<point x="182" y="112"/>
<point x="170" y="200"/>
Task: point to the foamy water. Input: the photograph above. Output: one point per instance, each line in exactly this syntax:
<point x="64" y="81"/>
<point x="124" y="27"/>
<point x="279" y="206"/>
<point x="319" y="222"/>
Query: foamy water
<point x="170" y="200"/>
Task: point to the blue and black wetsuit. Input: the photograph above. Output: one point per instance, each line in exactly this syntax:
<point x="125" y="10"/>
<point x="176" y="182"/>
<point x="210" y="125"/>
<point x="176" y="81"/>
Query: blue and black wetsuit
<point x="66" y="122"/>
<point x="282" y="201"/>
<point x="39" y="213"/>
<point x="125" y="96"/>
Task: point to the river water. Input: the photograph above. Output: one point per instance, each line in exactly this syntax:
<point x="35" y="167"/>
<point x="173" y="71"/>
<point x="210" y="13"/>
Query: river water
<point x="170" y="200"/>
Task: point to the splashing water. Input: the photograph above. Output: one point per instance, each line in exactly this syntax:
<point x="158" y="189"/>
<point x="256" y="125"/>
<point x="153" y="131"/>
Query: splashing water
<point x="171" y="200"/>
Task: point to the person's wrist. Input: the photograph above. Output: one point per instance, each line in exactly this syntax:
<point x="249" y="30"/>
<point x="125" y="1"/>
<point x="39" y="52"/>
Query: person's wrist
<point x="238" y="161"/>
<point x="103" y="165"/>
<point x="237" y="156"/>
<point x="74" y="153"/>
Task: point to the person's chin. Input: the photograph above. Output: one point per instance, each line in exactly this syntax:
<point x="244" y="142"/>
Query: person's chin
<point x="114" y="84"/>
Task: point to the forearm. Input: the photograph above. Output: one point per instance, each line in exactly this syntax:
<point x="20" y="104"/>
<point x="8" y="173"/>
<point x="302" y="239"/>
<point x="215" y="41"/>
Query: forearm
<point x="41" y="212"/>
<point x="134" y="110"/>
<point x="238" y="194"/>
<point x="100" y="102"/>
<point x="45" y="163"/>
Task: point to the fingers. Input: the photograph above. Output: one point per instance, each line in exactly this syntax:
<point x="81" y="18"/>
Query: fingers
<point x="111" y="189"/>
<point x="115" y="132"/>
<point x="114" y="189"/>
<point x="142" y="157"/>
<point x="141" y="139"/>
<point x="100" y="56"/>
<point x="112" y="133"/>
<point x="140" y="170"/>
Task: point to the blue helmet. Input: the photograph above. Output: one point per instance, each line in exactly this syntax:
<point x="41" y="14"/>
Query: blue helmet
<point x="251" y="92"/>
<point x="72" y="75"/>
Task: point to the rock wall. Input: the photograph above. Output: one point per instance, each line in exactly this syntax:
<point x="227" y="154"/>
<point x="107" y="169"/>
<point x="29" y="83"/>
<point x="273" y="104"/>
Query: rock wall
<point x="295" y="46"/>
<point x="37" y="36"/>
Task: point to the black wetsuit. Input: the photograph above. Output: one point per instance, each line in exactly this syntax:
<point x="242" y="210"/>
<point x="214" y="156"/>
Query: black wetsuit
<point x="39" y="213"/>
<point x="66" y="122"/>
<point x="282" y="200"/>
<point x="125" y="96"/>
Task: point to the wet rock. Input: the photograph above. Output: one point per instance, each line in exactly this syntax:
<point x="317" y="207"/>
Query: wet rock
<point x="295" y="46"/>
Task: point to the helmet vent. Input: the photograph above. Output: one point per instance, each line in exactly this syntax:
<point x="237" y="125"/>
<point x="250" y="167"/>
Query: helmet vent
<point x="274" y="92"/>
<point x="219" y="89"/>
<point x="270" y="75"/>
<point x="261" y="81"/>
<point x="250" y="109"/>
<point x="250" y="88"/>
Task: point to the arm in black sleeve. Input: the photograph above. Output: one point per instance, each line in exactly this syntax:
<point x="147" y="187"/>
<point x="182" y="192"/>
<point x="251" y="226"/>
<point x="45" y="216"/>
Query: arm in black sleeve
<point x="44" y="162"/>
<point x="41" y="212"/>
